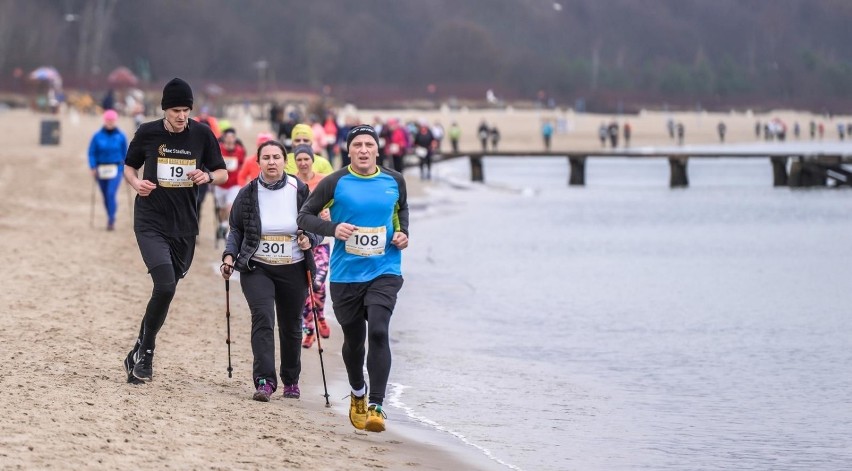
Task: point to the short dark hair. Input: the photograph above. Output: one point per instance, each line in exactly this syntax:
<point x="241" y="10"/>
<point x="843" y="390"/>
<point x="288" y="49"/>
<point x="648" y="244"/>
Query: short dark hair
<point x="271" y="142"/>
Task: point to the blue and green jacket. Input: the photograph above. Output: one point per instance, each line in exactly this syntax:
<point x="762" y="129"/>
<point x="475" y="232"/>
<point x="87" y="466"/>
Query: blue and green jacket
<point x="364" y="201"/>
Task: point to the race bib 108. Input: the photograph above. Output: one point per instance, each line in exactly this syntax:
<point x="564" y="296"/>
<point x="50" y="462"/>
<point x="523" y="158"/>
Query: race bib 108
<point x="367" y="241"/>
<point x="171" y="173"/>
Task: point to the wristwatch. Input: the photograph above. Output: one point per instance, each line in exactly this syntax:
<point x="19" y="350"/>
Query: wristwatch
<point x="210" y="176"/>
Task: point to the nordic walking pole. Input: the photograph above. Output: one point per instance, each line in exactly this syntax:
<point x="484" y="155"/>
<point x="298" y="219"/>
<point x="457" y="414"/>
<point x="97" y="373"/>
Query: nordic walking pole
<point x="216" y="220"/>
<point x="316" y="329"/>
<point x="92" y="206"/>
<point x="228" y="322"/>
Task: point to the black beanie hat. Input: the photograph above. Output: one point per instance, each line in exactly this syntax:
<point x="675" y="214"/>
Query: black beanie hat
<point x="361" y="129"/>
<point x="303" y="149"/>
<point x="177" y="93"/>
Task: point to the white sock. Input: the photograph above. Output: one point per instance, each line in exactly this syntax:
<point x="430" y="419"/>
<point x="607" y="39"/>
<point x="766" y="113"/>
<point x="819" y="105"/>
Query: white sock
<point x="360" y="392"/>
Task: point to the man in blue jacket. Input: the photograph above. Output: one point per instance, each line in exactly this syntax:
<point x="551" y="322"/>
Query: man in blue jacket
<point x="369" y="221"/>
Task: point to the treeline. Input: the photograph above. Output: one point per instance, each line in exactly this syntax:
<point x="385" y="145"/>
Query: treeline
<point x="608" y="52"/>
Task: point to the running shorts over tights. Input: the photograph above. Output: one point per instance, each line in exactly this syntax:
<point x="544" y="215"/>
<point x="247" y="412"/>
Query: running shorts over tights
<point x="364" y="311"/>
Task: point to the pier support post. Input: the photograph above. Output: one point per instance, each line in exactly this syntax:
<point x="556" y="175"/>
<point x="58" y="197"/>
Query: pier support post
<point x="577" y="176"/>
<point x="678" y="178"/>
<point x="796" y="170"/>
<point x="476" y="174"/>
<point x="779" y="171"/>
<point x="804" y="173"/>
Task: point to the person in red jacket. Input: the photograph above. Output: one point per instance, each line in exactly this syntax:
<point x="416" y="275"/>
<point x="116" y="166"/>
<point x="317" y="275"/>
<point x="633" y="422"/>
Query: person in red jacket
<point x="397" y="145"/>
<point x="234" y="155"/>
<point x="250" y="169"/>
<point x="330" y="128"/>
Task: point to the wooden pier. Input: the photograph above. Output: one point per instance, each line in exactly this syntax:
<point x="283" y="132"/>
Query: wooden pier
<point x="793" y="164"/>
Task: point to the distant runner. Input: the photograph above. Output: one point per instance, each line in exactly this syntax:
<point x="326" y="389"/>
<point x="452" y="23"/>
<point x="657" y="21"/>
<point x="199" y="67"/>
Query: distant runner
<point x="234" y="154"/>
<point x="424" y="143"/>
<point x="166" y="216"/>
<point x="369" y="219"/>
<point x="250" y="169"/>
<point x="106" y="161"/>
<point x="303" y="134"/>
<point x="304" y="155"/>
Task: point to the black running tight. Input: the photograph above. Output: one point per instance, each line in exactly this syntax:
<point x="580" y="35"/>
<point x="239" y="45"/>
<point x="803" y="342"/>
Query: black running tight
<point x="379" y="356"/>
<point x="165" y="283"/>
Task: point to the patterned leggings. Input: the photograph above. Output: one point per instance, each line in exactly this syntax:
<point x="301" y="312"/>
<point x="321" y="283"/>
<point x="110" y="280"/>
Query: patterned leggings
<point x="321" y="255"/>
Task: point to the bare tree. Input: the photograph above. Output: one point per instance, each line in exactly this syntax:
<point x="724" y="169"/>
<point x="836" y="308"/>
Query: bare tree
<point x="95" y="25"/>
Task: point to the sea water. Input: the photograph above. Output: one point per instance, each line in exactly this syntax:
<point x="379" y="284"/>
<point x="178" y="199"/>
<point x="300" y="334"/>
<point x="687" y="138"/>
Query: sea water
<point x="626" y="325"/>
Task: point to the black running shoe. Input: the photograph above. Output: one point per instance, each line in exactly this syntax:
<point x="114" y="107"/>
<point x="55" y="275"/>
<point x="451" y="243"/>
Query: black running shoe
<point x="130" y="362"/>
<point x="143" y="370"/>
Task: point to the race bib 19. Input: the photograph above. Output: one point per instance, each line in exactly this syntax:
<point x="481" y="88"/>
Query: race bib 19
<point x="275" y="249"/>
<point x="231" y="163"/>
<point x="171" y="173"/>
<point x="107" y="172"/>
<point x="367" y="241"/>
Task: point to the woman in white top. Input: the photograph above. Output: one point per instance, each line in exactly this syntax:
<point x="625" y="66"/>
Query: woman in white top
<point x="266" y="246"/>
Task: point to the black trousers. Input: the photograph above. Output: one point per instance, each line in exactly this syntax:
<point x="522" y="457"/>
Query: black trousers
<point x="426" y="167"/>
<point x="398" y="163"/>
<point x="276" y="291"/>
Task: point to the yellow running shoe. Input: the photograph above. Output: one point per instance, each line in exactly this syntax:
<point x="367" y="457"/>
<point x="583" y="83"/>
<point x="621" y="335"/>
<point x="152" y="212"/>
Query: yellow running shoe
<point x="358" y="411"/>
<point x="375" y="419"/>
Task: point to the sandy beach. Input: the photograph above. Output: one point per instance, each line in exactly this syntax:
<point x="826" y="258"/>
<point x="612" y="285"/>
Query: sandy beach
<point x="72" y="301"/>
<point x="74" y="295"/>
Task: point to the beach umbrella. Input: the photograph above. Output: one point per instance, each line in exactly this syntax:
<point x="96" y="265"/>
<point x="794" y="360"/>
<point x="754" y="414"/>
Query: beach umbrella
<point x="47" y="74"/>
<point x="122" y="77"/>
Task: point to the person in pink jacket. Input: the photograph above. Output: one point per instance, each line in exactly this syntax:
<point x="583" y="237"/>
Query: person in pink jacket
<point x="330" y="128"/>
<point x="319" y="135"/>
<point x="397" y="145"/>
